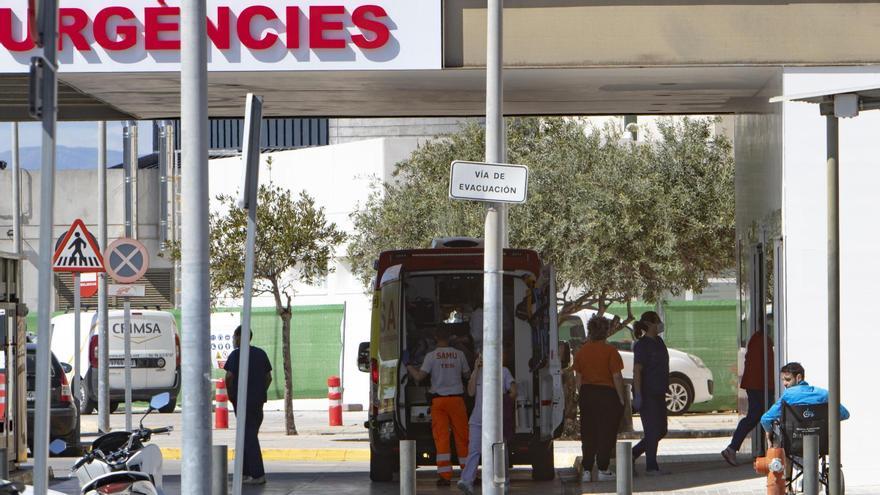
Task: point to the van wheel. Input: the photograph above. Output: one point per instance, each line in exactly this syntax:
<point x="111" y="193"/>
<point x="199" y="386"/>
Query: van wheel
<point x="86" y="404"/>
<point x="113" y="407"/>
<point x="543" y="468"/>
<point x="169" y="408"/>
<point x="381" y="465"/>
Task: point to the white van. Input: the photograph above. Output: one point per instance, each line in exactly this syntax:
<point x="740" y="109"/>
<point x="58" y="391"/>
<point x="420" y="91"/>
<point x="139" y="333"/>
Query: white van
<point x="155" y="356"/>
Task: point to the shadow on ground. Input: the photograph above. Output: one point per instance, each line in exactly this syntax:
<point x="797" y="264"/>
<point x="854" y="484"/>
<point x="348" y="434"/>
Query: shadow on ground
<point x="684" y="476"/>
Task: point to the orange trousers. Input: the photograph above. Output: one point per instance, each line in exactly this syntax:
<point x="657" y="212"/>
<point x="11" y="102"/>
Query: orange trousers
<point x="449" y="412"/>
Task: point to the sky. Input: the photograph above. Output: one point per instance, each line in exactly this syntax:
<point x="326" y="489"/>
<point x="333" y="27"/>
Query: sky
<point x="76" y="135"/>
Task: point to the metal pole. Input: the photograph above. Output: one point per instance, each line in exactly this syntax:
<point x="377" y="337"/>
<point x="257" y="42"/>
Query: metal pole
<point x="163" y="182"/>
<point x="408" y="467"/>
<point x="126" y="337"/>
<point x="833" y="306"/>
<point x="103" y="328"/>
<point x="133" y="171"/>
<point x="77" y="386"/>
<point x="196" y="468"/>
<point x="219" y="475"/>
<point x="16" y="197"/>
<point x="47" y="242"/>
<point x="493" y="256"/>
<point x="126" y="178"/>
<point x="624" y="468"/>
<point x="342" y="357"/>
<point x="248" y="200"/>
<point x="244" y="349"/>
<point x="811" y="464"/>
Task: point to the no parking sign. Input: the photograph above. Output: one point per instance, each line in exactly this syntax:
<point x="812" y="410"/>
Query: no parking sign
<point x="126" y="260"/>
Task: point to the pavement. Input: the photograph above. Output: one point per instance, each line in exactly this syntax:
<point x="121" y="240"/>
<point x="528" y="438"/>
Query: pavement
<point x="324" y="460"/>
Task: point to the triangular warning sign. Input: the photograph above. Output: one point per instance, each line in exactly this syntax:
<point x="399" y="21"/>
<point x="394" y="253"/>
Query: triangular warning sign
<point x="78" y="251"/>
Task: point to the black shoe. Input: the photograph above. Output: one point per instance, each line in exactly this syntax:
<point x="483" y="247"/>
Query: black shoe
<point x="443" y="482"/>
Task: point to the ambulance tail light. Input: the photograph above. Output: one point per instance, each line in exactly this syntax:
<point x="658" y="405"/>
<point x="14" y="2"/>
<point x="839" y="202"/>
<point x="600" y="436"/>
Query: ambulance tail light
<point x="374" y="371"/>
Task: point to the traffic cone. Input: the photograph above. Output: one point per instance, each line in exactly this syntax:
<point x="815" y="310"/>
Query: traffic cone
<point x="221" y="409"/>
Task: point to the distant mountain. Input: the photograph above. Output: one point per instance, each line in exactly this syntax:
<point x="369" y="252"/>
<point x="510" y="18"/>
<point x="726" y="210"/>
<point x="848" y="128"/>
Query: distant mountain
<point x="67" y="157"/>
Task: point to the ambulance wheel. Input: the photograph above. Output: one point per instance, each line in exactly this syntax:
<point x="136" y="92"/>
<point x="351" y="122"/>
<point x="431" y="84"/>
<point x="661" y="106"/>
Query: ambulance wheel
<point x="86" y="405"/>
<point x="381" y="465"/>
<point x="169" y="408"/>
<point x="114" y="406"/>
<point x="543" y="468"/>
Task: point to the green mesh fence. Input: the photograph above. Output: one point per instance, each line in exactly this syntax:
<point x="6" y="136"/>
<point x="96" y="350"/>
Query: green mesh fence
<point x="707" y="329"/>
<point x="315" y="347"/>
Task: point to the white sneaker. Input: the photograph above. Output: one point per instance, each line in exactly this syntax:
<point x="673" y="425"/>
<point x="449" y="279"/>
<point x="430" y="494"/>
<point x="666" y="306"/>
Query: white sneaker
<point x="606" y="476"/>
<point x="465" y="487"/>
<point x="587" y="477"/>
<point x="260" y="480"/>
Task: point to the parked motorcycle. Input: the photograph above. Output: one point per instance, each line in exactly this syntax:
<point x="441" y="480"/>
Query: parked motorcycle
<point x="119" y="462"/>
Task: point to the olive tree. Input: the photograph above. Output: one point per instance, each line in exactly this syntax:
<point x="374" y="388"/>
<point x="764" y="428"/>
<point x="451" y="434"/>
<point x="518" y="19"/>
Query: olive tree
<point x="619" y="219"/>
<point x="294" y="242"/>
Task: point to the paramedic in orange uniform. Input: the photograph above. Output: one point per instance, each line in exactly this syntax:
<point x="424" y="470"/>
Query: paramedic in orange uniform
<point x="448" y="368"/>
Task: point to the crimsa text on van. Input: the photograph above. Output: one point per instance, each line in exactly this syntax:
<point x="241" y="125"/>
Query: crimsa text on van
<point x="138" y="328"/>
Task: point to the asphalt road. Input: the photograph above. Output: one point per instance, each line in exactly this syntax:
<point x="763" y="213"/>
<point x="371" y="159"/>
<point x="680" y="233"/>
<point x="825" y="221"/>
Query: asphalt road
<point x="318" y="478"/>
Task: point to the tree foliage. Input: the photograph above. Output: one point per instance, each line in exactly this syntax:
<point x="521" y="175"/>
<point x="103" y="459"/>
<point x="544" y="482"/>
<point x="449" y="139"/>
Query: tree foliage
<point x="294" y="242"/>
<point x="619" y="219"/>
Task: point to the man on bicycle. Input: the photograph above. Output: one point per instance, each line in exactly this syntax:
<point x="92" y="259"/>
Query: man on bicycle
<point x="797" y="393"/>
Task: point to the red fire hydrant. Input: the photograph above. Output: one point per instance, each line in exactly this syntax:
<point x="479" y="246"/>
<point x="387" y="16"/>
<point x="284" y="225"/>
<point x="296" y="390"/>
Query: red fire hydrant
<point x="773" y="465"/>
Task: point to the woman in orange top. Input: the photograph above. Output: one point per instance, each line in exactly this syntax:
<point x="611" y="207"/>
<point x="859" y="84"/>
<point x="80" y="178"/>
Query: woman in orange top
<point x="598" y="366"/>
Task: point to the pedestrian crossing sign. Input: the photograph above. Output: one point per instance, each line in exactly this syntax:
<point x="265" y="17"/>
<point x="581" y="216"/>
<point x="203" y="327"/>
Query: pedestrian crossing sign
<point x="78" y="251"/>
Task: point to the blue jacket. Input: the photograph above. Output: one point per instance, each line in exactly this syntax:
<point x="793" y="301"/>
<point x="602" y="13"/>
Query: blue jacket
<point x="802" y="394"/>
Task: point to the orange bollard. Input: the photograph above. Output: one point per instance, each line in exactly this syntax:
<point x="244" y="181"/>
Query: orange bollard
<point x="334" y="394"/>
<point x="221" y="409"/>
<point x="773" y="465"/>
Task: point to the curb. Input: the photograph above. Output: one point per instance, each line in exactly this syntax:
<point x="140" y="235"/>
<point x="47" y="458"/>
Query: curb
<point x="318" y="455"/>
<point x="715" y="433"/>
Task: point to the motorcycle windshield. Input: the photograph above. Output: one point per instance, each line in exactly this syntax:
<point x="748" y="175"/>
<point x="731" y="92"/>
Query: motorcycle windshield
<point x="114" y="440"/>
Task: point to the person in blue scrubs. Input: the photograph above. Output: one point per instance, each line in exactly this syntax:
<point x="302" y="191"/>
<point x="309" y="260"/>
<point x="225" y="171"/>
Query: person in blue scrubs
<point x="650" y="384"/>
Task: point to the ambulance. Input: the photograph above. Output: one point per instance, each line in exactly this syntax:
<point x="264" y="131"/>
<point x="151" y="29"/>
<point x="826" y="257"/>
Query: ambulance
<point x="414" y="291"/>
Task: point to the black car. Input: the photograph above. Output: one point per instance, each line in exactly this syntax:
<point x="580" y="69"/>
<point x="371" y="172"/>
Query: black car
<point x="63" y="413"/>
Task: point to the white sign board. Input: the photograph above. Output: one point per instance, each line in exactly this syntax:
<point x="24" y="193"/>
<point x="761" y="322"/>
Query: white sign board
<point x="126" y="290"/>
<point x="490" y="182"/>
<point x="243" y="35"/>
<point x="222" y="327"/>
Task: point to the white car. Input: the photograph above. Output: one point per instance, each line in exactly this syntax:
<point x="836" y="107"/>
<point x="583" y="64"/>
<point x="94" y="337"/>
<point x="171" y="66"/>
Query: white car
<point x="690" y="381"/>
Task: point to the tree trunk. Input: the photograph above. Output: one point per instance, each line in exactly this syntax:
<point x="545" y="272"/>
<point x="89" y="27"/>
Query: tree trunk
<point x="289" y="424"/>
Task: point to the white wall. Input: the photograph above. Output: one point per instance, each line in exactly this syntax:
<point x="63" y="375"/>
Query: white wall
<point x="758" y="154"/>
<point x="76" y="196"/>
<point x="805" y="236"/>
<point x="338" y="177"/>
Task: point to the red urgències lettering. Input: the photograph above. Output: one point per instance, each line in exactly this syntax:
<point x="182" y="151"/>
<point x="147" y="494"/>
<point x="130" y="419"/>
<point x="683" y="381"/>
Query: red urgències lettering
<point x="116" y="28"/>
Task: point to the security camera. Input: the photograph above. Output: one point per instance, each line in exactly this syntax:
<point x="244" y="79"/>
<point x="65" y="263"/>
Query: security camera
<point x="2" y="165"/>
